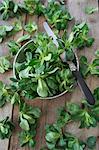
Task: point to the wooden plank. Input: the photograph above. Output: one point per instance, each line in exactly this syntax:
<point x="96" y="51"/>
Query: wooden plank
<point x="14" y="138"/>
<point x="50" y="107"/>
<point x="77" y="10"/>
<point x="6" y="110"/>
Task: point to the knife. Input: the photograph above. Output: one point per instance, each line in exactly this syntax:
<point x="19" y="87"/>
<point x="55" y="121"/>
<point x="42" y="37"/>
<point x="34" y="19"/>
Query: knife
<point x="85" y="89"/>
<point x="50" y="33"/>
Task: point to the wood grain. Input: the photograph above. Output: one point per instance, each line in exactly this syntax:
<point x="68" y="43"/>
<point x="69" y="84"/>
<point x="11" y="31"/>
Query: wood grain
<point x="7" y="110"/>
<point x="77" y="10"/>
<point x="49" y="107"/>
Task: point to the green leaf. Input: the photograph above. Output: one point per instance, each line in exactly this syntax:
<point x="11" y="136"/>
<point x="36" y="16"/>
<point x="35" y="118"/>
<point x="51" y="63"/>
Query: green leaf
<point x="32" y="143"/>
<point x="8" y="30"/>
<point x="62" y="142"/>
<point x="63" y="118"/>
<point x="86" y="116"/>
<point x="47" y="58"/>
<point x="50" y="145"/>
<point x="6" y="128"/>
<point x="13" y="47"/>
<point x="4" y="9"/>
<point x="90" y="41"/>
<point x="28" y="116"/>
<point x="58" y="140"/>
<point x="25" y="137"/>
<point x="91" y="142"/>
<point x="53" y="71"/>
<point x="84" y="66"/>
<point x="23" y="38"/>
<point x="97" y="53"/>
<point x="52" y="136"/>
<point x="9" y="9"/>
<point x="17" y="26"/>
<point x="34" y="7"/>
<point x="28" y="88"/>
<point x="52" y="84"/>
<point x="94" y="67"/>
<point x="2" y="101"/>
<point x="61" y="15"/>
<point x="24" y="124"/>
<point x="4" y="94"/>
<point x="71" y="37"/>
<point x="42" y="88"/>
<point x="1" y="39"/>
<point x="66" y="79"/>
<point x="1" y="85"/>
<point x="89" y="68"/>
<point x="76" y="146"/>
<point x="87" y="120"/>
<point x="15" y="8"/>
<point x="81" y="37"/>
<point x="96" y="94"/>
<point x="73" y="108"/>
<point x="15" y="98"/>
<point x="30" y="119"/>
<point x="30" y="27"/>
<point x="25" y="73"/>
<point x="4" y="64"/>
<point x="80" y="26"/>
<point x="36" y="112"/>
<point x="91" y="10"/>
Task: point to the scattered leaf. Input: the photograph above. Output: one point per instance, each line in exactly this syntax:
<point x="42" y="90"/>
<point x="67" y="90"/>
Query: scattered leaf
<point x="90" y="10"/>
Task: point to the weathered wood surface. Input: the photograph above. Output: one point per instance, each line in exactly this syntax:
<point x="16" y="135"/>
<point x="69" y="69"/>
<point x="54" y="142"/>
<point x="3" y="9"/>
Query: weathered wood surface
<point x="8" y="109"/>
<point x="49" y="108"/>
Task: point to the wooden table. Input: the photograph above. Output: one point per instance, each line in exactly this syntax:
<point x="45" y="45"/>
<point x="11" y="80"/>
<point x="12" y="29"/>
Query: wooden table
<point x="76" y="7"/>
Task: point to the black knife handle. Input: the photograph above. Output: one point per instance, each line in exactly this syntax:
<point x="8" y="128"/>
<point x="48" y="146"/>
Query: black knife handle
<point x="88" y="94"/>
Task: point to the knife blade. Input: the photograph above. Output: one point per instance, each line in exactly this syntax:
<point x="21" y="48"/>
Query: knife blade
<point x="50" y="33"/>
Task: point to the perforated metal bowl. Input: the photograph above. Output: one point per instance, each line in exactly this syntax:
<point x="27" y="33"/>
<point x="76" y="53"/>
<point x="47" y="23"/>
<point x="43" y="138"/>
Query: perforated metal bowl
<point x="20" y="57"/>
